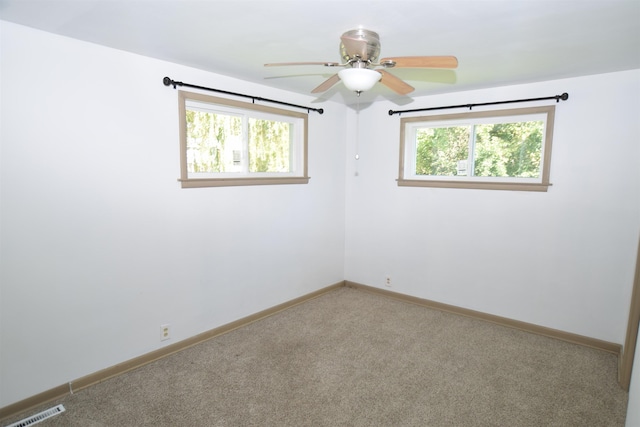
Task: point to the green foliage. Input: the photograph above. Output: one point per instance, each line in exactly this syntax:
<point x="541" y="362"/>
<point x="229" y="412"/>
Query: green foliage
<point x="439" y="149"/>
<point x="210" y="141"/>
<point x="501" y="150"/>
<point x="269" y="146"/>
<point x="509" y="149"/>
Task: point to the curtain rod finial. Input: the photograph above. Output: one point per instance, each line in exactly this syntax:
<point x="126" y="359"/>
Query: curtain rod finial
<point x="167" y="81"/>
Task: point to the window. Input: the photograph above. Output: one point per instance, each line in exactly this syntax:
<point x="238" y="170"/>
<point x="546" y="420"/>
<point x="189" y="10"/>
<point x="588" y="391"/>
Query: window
<point x="225" y="142"/>
<point x="499" y="150"/>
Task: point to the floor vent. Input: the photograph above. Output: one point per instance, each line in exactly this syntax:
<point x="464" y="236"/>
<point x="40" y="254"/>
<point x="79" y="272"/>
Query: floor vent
<point x="35" y="419"/>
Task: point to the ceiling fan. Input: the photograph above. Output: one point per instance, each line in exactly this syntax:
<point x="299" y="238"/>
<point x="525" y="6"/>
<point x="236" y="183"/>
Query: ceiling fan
<point x="359" y="51"/>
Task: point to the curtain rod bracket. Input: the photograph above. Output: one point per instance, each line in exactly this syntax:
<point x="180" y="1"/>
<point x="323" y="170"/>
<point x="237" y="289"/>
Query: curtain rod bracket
<point x="170" y="82"/>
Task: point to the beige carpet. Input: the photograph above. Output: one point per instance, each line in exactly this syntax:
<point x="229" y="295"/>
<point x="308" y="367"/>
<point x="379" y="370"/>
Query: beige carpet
<point x="352" y="358"/>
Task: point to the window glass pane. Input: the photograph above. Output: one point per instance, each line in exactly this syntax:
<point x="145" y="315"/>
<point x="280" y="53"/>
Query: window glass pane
<point x="270" y="145"/>
<point x="442" y="151"/>
<point x="214" y="142"/>
<point x="508" y="149"/>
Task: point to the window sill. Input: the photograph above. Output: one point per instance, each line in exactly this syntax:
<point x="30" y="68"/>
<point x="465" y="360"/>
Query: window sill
<point x="509" y="186"/>
<point x="229" y="182"/>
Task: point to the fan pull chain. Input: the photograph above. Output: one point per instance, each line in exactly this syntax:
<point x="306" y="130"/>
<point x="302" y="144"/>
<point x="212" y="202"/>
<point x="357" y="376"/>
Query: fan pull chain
<point x="357" y="156"/>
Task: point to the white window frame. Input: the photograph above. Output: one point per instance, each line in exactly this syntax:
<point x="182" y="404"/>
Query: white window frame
<point x="408" y="127"/>
<point x="299" y="169"/>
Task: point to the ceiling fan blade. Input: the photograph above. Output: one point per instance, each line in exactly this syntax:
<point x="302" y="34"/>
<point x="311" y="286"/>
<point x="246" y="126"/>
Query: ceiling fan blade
<point x="355" y="47"/>
<point x="394" y="83"/>
<point x="279" y="64"/>
<point x="326" y="85"/>
<point x="422" y="61"/>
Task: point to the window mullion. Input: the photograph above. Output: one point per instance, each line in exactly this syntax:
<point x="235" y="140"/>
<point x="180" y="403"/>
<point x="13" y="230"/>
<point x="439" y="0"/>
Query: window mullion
<point x="472" y="150"/>
<point x="245" y="143"/>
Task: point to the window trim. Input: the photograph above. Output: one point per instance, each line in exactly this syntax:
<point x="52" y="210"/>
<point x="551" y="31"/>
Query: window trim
<point x="228" y="179"/>
<point x="544" y="183"/>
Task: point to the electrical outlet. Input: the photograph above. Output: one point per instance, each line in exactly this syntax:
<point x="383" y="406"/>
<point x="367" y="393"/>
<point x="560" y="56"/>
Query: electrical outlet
<point x="388" y="282"/>
<point x="165" y="332"/>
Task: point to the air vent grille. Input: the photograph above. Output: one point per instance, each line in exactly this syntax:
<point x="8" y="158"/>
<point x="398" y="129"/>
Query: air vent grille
<point x="41" y="416"/>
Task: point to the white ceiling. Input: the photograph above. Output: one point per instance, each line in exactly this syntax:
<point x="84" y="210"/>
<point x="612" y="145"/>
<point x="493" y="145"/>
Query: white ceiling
<point x="497" y="42"/>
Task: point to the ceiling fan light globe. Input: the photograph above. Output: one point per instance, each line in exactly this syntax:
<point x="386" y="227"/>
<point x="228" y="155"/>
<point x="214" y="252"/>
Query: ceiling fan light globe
<point x="359" y="79"/>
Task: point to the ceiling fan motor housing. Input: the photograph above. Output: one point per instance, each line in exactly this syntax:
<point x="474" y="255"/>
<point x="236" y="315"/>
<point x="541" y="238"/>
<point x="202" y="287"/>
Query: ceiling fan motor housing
<point x="360" y="47"/>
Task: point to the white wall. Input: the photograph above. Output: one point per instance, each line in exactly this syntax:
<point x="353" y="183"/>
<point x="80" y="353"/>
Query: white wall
<point x="563" y="259"/>
<point x="100" y="246"/>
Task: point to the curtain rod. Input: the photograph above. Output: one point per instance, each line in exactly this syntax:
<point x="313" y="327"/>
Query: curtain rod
<point x="167" y="81"/>
<point x="563" y="97"/>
